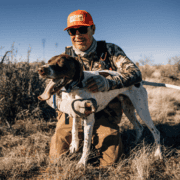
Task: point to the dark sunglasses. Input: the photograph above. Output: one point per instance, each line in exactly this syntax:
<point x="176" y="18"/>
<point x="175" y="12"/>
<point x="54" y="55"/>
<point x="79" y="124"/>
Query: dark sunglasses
<point x="82" y="30"/>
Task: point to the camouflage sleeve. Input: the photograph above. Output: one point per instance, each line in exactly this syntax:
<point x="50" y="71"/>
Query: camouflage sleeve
<point x="129" y="73"/>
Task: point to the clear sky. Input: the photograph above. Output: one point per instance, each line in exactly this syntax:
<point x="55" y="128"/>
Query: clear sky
<point x="142" y="28"/>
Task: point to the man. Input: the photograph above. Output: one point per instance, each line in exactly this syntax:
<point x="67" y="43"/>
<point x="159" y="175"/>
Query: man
<point x="96" y="56"/>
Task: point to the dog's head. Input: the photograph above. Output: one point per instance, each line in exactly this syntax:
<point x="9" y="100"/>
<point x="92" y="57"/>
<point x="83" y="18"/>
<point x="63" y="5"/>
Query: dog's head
<point x="62" y="69"/>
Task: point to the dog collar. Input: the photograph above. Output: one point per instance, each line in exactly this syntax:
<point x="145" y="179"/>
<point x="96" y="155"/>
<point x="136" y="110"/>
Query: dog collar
<point x="54" y="101"/>
<point x="55" y="107"/>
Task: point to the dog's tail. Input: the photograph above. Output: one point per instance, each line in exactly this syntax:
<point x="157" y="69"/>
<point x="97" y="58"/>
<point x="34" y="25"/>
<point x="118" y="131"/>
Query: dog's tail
<point x="160" y="85"/>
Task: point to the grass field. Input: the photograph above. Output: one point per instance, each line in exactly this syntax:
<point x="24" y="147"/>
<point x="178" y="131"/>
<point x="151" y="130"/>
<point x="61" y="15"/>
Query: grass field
<point x="26" y="127"/>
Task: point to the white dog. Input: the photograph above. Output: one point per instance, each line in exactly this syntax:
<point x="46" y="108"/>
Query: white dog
<point x="78" y="102"/>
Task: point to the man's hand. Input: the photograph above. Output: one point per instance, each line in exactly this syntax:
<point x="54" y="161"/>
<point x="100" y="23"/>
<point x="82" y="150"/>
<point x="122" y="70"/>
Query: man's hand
<point x="97" y="83"/>
<point x="84" y="108"/>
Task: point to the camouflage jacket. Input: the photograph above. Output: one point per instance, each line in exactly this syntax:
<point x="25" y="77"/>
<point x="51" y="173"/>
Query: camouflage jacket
<point x="110" y="56"/>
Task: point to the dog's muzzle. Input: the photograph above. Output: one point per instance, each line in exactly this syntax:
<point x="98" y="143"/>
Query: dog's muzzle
<point x="53" y="87"/>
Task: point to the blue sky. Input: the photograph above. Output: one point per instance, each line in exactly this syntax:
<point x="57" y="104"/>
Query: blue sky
<point x="142" y="28"/>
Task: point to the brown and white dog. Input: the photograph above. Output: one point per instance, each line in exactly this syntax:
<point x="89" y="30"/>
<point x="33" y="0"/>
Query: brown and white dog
<point x="78" y="102"/>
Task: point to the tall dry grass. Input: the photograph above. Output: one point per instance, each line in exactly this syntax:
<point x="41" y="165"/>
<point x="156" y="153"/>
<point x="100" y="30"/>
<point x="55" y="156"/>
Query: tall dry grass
<point x="24" y="146"/>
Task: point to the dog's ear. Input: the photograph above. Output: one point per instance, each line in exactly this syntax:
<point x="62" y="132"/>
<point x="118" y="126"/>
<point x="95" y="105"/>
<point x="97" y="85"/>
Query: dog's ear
<point x="62" y="59"/>
<point x="79" y="69"/>
<point x="60" y="62"/>
<point x="53" y="59"/>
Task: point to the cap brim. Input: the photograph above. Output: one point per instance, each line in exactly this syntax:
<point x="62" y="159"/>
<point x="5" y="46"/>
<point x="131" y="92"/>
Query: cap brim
<point x="76" y="26"/>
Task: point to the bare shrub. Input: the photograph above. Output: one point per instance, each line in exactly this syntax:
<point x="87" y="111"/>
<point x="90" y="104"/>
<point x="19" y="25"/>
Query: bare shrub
<point x="146" y="67"/>
<point x="172" y="69"/>
<point x="176" y="62"/>
<point x="20" y="87"/>
<point x="146" y="71"/>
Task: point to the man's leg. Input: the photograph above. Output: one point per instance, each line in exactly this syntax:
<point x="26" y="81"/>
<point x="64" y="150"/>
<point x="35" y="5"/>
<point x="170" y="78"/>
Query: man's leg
<point x="61" y="139"/>
<point x="107" y="139"/>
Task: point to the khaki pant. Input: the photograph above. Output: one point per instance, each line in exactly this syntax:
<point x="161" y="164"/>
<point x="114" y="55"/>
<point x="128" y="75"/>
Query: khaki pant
<point x="106" y="138"/>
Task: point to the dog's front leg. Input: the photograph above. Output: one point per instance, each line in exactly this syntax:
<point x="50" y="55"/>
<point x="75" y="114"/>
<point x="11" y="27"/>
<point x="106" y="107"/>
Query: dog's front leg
<point x="88" y="130"/>
<point x="75" y="140"/>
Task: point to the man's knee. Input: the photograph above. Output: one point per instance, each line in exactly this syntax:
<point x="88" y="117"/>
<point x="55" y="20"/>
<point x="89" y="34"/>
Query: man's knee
<point x="111" y="150"/>
<point x="60" y="142"/>
<point x="62" y="137"/>
<point x="107" y="139"/>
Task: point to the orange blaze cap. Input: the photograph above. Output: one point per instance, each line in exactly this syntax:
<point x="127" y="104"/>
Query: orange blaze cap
<point x="79" y="18"/>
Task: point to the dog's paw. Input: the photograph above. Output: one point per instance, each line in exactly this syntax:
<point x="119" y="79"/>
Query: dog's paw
<point x="74" y="146"/>
<point x="158" y="153"/>
<point x="81" y="163"/>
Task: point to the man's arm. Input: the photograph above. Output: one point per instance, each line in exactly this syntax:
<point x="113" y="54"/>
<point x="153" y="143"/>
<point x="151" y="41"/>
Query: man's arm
<point x="129" y="73"/>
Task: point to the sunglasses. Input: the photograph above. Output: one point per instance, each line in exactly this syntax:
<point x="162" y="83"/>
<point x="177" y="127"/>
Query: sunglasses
<point x="82" y="30"/>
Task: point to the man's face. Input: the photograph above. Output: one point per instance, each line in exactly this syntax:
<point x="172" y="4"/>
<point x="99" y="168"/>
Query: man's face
<point x="83" y="41"/>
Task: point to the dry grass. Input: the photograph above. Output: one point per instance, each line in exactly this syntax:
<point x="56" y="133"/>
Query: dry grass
<point x="24" y="147"/>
